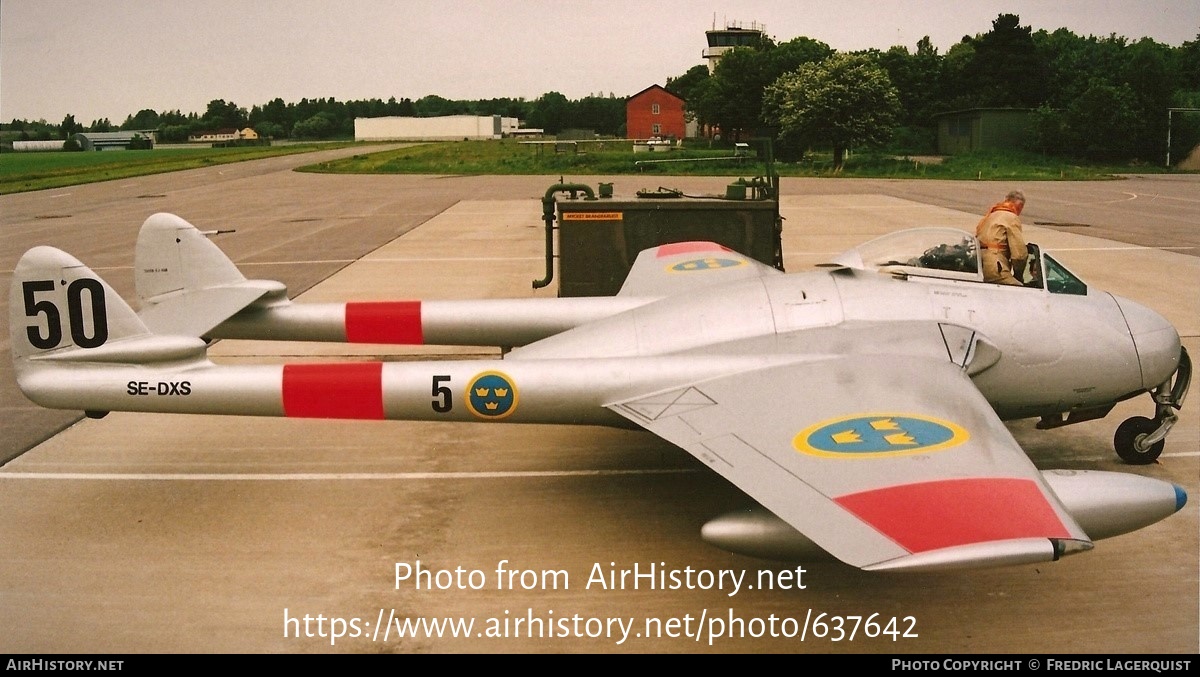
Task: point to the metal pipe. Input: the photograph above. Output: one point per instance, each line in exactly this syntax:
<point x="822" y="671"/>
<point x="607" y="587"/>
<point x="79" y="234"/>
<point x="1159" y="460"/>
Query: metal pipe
<point x="640" y="163"/>
<point x="548" y="202"/>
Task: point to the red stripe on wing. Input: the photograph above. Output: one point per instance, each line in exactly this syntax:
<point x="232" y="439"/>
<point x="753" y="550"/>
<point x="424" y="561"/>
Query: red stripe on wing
<point x="933" y="515"/>
<point x="351" y="390"/>
<point x="689" y="248"/>
<point x="394" y="322"/>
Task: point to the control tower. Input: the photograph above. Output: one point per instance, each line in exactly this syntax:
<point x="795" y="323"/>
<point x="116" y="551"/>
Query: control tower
<point x="735" y="34"/>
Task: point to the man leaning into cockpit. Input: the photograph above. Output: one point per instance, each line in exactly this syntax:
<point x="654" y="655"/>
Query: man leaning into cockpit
<point x="1004" y="251"/>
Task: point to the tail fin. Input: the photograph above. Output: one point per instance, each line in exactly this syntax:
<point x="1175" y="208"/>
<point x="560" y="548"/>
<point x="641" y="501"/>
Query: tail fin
<point x="185" y="283"/>
<point x="173" y="256"/>
<point x="57" y="304"/>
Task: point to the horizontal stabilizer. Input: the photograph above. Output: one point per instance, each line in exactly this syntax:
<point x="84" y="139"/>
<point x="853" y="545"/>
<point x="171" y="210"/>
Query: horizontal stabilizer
<point x="144" y="350"/>
<point x="196" y="313"/>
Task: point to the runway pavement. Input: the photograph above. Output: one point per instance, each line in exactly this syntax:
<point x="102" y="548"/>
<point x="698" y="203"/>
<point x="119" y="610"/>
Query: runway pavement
<point x="148" y="533"/>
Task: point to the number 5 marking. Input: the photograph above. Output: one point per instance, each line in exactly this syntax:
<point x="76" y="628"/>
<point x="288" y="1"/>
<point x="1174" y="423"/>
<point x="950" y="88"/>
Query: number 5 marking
<point x="33" y="308"/>
<point x="443" y="400"/>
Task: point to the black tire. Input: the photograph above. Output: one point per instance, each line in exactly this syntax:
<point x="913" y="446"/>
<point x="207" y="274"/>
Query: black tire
<point x="1128" y="433"/>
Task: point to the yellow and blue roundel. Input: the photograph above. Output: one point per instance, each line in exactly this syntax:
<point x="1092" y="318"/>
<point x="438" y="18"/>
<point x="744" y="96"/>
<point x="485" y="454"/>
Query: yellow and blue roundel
<point x="875" y="435"/>
<point x="492" y="395"/>
<point x="706" y="263"/>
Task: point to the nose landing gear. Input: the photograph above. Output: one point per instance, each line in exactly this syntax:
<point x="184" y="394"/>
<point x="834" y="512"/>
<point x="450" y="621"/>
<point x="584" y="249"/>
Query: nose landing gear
<point x="1140" y="440"/>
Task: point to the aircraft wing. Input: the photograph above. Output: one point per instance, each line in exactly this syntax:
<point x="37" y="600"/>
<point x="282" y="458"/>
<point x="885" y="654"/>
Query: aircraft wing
<point x="886" y="462"/>
<point x="684" y="266"/>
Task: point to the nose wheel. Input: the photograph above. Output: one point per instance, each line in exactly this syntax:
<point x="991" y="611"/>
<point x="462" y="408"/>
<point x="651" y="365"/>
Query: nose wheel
<point x="1140" y="440"/>
<point x="1131" y="438"/>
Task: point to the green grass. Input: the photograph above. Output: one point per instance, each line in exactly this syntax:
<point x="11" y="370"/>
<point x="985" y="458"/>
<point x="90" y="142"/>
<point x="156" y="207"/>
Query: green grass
<point x="981" y="165"/>
<point x="616" y="157"/>
<point x="512" y="157"/>
<point x="38" y="170"/>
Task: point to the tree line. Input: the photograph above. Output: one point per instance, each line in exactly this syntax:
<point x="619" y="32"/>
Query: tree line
<point x="328" y="118"/>
<point x="1093" y="97"/>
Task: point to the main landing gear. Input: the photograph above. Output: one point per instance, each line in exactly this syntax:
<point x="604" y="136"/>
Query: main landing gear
<point x="1140" y="440"/>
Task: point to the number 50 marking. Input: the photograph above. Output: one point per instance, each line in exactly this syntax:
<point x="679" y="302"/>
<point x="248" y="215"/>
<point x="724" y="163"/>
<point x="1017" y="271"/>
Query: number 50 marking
<point x="54" y="334"/>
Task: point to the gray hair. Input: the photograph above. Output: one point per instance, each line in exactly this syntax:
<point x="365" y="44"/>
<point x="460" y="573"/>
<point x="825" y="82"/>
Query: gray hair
<point x="1015" y="195"/>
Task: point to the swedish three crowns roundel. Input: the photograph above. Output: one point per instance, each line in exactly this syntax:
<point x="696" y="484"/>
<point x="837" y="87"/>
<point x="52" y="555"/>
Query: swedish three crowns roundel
<point x="874" y="435"/>
<point x="706" y="263"/>
<point x="492" y="395"/>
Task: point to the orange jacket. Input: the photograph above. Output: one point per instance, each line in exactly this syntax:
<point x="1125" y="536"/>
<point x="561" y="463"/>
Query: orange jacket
<point x="1001" y="237"/>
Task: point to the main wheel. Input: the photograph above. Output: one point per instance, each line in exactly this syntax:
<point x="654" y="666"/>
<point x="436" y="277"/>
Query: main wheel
<point x="1128" y="433"/>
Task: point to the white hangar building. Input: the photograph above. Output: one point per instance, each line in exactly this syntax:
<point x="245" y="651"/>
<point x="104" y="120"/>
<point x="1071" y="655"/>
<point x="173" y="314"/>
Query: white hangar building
<point x="445" y="128"/>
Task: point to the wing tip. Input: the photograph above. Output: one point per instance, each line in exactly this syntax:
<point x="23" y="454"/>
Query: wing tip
<point x="691" y="247"/>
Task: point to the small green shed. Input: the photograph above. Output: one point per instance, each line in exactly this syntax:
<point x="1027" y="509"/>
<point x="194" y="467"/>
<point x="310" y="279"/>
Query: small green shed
<point x="974" y="129"/>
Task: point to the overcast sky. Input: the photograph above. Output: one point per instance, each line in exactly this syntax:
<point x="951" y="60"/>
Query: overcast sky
<point x="110" y="58"/>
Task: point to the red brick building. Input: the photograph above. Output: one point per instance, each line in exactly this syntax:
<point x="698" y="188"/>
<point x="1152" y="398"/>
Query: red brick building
<point x="654" y="112"/>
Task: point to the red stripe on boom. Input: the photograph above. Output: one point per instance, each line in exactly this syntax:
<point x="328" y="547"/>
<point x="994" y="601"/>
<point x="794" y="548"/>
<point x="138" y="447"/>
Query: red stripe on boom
<point x="351" y="390"/>
<point x="689" y="248"/>
<point x="395" y="322"/>
<point x="932" y="515"/>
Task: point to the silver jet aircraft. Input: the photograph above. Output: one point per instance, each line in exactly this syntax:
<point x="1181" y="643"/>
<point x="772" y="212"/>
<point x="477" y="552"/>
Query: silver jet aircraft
<point x="860" y="404"/>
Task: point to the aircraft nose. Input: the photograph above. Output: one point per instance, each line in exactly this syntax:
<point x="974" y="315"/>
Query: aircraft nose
<point x="1155" y="339"/>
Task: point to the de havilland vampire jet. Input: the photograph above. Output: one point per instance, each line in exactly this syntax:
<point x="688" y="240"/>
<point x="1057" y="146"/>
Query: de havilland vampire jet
<point x="860" y="404"/>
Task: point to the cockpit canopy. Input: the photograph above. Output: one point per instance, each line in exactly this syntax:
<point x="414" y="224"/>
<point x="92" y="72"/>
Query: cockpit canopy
<point x="952" y="254"/>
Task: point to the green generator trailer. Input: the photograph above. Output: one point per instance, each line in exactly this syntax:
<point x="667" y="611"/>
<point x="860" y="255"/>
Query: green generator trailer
<point x="599" y="237"/>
